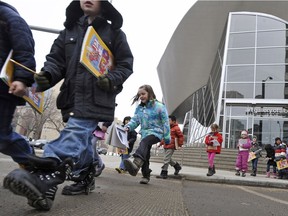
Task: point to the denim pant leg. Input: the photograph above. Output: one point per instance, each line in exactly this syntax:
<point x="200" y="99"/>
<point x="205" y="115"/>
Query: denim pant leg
<point x="123" y="157"/>
<point x="11" y="143"/>
<point x="75" y="142"/>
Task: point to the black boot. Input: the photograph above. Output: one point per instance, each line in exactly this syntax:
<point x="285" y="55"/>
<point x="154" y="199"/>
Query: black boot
<point x="253" y="172"/>
<point x="177" y="168"/>
<point x="39" y="184"/>
<point x="213" y="169"/>
<point x="210" y="172"/>
<point x="83" y="183"/>
<point x="237" y="173"/>
<point x="133" y="167"/>
<point x="146" y="177"/>
<point x="164" y="174"/>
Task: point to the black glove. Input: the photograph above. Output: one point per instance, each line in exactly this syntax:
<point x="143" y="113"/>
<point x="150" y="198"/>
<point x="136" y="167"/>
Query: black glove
<point x="104" y="83"/>
<point x="43" y="81"/>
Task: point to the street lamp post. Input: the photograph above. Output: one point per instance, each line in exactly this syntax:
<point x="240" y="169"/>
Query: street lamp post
<point x="263" y="96"/>
<point x="263" y="85"/>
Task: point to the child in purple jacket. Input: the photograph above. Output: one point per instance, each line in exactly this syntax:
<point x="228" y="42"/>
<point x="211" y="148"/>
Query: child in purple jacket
<point x="244" y="145"/>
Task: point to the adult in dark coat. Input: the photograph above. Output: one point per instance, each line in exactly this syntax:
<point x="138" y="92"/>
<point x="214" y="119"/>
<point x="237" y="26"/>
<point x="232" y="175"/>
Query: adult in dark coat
<point x="15" y="35"/>
<point x="84" y="100"/>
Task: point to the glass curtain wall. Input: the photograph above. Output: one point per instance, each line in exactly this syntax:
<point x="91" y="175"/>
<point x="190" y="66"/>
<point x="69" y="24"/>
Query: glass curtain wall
<point x="249" y="73"/>
<point x="255" y="77"/>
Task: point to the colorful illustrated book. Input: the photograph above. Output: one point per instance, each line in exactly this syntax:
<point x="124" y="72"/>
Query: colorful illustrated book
<point x="252" y="156"/>
<point x="282" y="164"/>
<point x="35" y="100"/>
<point x="95" y="55"/>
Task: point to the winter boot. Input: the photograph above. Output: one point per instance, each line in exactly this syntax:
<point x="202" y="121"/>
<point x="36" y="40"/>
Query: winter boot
<point x="274" y="175"/>
<point x="267" y="174"/>
<point x="243" y="173"/>
<point x="213" y="169"/>
<point x="253" y="172"/>
<point x="164" y="174"/>
<point x="146" y="177"/>
<point x="237" y="173"/>
<point x="177" y="168"/>
<point x="99" y="170"/>
<point x="83" y="182"/>
<point x="133" y="167"/>
<point x="39" y="185"/>
<point x="210" y="171"/>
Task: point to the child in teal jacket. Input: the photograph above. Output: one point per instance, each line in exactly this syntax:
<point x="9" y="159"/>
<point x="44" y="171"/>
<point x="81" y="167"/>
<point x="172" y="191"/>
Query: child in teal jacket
<point x="153" y="119"/>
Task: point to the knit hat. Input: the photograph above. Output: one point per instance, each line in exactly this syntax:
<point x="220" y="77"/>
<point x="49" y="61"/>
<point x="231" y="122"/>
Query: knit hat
<point x="244" y="132"/>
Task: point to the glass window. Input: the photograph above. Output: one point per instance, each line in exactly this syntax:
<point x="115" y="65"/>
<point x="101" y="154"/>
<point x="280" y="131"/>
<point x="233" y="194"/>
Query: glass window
<point x="271" y="55"/>
<point x="241" y="56"/>
<point x="264" y="23"/>
<point x="271" y="38"/>
<point x="238" y="110"/>
<point x="243" y="22"/>
<point x="239" y="90"/>
<point x="276" y="72"/>
<point x="270" y="90"/>
<point x="242" y="40"/>
<point x="240" y="73"/>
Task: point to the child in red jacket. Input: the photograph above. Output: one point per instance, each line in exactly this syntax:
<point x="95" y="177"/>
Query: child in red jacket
<point x="213" y="143"/>
<point x="177" y="139"/>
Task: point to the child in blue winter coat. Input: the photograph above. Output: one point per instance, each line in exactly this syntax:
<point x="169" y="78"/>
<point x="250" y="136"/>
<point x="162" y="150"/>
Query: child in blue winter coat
<point x="153" y="118"/>
<point x="244" y="145"/>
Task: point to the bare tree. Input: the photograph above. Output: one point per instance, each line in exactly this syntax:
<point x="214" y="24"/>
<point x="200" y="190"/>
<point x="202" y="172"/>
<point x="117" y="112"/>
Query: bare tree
<point x="32" y="122"/>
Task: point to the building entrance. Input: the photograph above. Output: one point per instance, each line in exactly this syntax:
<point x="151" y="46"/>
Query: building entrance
<point x="264" y="122"/>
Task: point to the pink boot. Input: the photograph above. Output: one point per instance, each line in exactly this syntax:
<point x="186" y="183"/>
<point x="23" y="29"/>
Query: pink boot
<point x="267" y="174"/>
<point x="275" y="175"/>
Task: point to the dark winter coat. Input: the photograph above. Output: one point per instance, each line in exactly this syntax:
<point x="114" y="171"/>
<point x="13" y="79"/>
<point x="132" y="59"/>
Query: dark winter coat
<point x="256" y="148"/>
<point x="80" y="95"/>
<point x="15" y="34"/>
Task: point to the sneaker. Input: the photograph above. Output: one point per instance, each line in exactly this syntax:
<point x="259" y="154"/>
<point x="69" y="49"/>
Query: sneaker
<point x="119" y="170"/>
<point x="99" y="170"/>
<point x="144" y="180"/>
<point x="79" y="188"/>
<point x="243" y="174"/>
<point x="39" y="186"/>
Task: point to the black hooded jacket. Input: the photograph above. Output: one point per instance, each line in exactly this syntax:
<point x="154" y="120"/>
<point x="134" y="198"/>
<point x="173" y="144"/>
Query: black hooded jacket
<point x="80" y="95"/>
<point x="15" y="34"/>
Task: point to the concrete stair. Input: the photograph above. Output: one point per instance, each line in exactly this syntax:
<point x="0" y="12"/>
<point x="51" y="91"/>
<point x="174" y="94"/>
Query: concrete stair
<point x="197" y="157"/>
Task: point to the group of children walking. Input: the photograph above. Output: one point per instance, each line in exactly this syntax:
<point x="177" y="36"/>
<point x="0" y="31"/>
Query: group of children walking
<point x="249" y="151"/>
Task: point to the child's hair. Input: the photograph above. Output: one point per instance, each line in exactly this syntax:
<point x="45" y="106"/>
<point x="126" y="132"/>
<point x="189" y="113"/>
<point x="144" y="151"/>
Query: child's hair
<point x="149" y="89"/>
<point x="214" y="126"/>
<point x="172" y="117"/>
<point x="126" y="118"/>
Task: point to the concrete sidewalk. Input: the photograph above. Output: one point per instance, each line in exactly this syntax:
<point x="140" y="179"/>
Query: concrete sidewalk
<point x="199" y="174"/>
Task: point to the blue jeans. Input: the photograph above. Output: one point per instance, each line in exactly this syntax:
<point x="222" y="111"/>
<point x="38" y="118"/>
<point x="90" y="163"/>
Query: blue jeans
<point x="75" y="142"/>
<point x="11" y="143"/>
<point x="254" y="164"/>
<point x="123" y="157"/>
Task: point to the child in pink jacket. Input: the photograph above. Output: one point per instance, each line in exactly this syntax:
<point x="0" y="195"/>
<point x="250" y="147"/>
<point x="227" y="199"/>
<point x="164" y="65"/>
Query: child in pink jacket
<point x="244" y="145"/>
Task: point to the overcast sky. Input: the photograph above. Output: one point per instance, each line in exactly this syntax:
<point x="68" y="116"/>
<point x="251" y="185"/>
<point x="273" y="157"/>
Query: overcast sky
<point x="148" y="24"/>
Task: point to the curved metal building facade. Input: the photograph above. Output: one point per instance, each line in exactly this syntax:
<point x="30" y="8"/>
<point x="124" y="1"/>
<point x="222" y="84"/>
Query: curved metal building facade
<point x="227" y="63"/>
